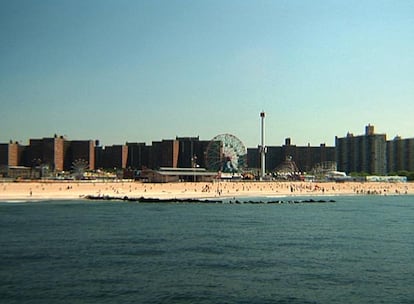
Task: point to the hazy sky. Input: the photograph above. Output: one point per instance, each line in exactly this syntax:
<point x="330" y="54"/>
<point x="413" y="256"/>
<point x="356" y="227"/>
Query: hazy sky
<point x="139" y="71"/>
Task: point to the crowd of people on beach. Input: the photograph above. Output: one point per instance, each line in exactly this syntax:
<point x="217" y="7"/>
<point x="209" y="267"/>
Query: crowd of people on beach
<point x="47" y="189"/>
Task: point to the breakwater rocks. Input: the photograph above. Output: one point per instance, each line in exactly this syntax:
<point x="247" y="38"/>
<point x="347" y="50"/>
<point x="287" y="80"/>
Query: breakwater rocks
<point x="149" y="200"/>
<point x="305" y="201"/>
<point x="208" y="201"/>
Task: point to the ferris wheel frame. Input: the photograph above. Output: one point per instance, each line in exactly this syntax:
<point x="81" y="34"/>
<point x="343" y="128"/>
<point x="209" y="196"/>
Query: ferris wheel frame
<point x="226" y="153"/>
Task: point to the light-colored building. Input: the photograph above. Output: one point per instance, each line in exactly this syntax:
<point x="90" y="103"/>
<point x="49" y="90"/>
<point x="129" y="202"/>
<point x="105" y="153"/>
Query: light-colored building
<point x="168" y="175"/>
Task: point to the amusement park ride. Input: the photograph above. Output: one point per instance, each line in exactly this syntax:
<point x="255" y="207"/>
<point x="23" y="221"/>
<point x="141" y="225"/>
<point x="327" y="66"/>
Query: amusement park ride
<point x="226" y="153"/>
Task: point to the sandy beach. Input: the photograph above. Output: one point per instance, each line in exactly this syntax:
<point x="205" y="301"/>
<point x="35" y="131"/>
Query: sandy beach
<point x="46" y="190"/>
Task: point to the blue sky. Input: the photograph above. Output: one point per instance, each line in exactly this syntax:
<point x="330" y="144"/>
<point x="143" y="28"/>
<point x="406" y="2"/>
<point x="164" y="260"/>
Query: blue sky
<point x="140" y="71"/>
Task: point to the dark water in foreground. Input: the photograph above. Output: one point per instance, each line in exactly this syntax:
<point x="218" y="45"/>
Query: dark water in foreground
<point x="357" y="250"/>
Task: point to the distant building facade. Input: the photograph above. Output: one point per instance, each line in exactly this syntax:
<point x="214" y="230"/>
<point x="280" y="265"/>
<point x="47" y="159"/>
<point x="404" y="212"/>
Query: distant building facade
<point x="370" y="153"/>
<point x="305" y="157"/>
<point x="138" y="156"/>
<point x="11" y="154"/>
<point x="80" y="150"/>
<point x="364" y="153"/>
<point x="400" y="155"/>
<point x="164" y="154"/>
<point x="10" y="160"/>
<point x="111" y="157"/>
<point x="49" y="152"/>
<point x="192" y="152"/>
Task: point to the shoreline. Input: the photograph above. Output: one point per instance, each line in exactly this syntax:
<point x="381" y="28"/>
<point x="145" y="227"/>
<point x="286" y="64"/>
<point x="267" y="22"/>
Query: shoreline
<point x="74" y="190"/>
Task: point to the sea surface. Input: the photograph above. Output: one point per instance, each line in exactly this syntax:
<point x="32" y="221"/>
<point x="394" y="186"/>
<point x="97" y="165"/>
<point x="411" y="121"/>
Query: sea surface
<point x="358" y="249"/>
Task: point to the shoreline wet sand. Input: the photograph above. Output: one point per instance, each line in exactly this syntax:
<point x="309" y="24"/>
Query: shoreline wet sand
<point x="71" y="190"/>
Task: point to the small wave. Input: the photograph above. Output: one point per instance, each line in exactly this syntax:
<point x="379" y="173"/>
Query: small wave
<point x="19" y="201"/>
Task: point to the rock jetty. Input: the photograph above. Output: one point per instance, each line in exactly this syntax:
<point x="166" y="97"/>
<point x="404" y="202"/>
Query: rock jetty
<point x="193" y="200"/>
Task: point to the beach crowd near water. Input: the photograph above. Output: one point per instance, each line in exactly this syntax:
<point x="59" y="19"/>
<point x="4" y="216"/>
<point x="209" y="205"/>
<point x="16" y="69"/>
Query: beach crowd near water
<point x="58" y="190"/>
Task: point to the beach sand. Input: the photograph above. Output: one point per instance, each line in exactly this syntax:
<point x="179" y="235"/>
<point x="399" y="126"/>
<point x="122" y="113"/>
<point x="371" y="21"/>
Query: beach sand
<point x="47" y="190"/>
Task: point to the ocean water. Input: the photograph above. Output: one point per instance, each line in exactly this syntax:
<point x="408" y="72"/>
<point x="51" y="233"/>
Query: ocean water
<point x="356" y="250"/>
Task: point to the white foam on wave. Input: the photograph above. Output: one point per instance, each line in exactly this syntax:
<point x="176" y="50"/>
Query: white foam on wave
<point x="20" y="201"/>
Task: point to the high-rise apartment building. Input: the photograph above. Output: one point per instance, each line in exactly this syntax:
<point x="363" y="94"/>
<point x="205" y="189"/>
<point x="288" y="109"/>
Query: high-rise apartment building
<point x="400" y="154"/>
<point x="46" y="151"/>
<point x="11" y="154"/>
<point x="164" y="154"/>
<point x="111" y="157"/>
<point x="192" y="152"/>
<point x="80" y="150"/>
<point x="138" y="155"/>
<point x="364" y="153"/>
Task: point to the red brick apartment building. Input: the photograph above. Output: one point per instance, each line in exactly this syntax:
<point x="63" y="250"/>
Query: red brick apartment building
<point x="47" y="151"/>
<point x="10" y="154"/>
<point x="55" y="152"/>
<point x="111" y="157"/>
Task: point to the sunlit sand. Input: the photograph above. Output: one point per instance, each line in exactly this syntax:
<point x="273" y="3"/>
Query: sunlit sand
<point x="217" y="189"/>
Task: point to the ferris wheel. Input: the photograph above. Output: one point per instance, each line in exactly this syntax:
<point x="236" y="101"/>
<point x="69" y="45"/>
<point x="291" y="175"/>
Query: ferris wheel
<point x="226" y="153"/>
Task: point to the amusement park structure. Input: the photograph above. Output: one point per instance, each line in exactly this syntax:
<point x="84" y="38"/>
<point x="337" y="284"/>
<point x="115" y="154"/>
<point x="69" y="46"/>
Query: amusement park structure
<point x="262" y="148"/>
<point x="226" y="153"/>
